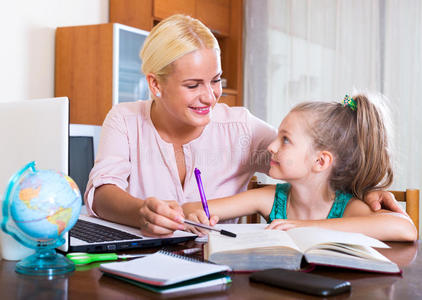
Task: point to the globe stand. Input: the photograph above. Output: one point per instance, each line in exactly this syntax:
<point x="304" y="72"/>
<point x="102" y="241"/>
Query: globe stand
<point x="45" y="262"/>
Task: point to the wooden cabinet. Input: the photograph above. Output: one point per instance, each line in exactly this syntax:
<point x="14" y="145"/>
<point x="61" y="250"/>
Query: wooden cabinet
<point x="223" y="17"/>
<point x="215" y="14"/>
<point x="228" y="97"/>
<point x="135" y="13"/>
<point x="165" y="8"/>
<point x="97" y="66"/>
<point x="83" y="70"/>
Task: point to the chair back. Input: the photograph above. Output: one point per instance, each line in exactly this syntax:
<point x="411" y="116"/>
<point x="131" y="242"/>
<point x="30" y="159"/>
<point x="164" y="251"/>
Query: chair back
<point x="411" y="198"/>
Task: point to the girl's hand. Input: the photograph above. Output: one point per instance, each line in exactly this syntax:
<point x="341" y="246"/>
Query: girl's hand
<point x="194" y="212"/>
<point x="281" y="224"/>
<point x="160" y="218"/>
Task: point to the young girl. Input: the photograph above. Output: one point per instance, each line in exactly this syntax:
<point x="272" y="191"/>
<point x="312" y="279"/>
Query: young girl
<point x="331" y="155"/>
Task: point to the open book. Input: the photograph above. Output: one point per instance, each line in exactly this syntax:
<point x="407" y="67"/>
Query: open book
<point x="266" y="249"/>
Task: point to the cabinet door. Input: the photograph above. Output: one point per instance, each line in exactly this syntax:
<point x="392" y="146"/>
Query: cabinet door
<point x="135" y="13"/>
<point x="83" y="71"/>
<point x="166" y="8"/>
<point x="214" y="14"/>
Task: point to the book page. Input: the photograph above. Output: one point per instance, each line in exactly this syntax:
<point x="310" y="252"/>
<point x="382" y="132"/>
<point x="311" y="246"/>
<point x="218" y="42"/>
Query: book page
<point x="308" y="237"/>
<point x="342" y="249"/>
<point x="250" y="240"/>
<point x="367" y="259"/>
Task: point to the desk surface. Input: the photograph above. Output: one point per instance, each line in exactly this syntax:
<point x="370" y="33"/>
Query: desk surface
<point x="90" y="284"/>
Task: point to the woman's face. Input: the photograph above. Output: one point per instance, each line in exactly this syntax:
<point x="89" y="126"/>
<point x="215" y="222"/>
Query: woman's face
<point x="191" y="90"/>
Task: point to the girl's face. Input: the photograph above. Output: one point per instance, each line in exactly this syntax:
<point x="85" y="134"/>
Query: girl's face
<point x="191" y="91"/>
<point x="292" y="152"/>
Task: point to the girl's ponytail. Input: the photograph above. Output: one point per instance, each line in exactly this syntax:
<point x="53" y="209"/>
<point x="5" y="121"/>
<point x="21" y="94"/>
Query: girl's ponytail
<point x="374" y="168"/>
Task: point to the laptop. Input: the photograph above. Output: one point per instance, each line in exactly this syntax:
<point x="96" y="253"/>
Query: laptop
<point x="91" y="234"/>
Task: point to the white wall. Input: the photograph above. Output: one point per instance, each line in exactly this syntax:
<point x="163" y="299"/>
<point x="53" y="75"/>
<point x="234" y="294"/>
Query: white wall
<point x="27" y="34"/>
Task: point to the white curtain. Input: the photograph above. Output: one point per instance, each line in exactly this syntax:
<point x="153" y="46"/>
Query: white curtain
<point x="297" y="50"/>
<point x="402" y="83"/>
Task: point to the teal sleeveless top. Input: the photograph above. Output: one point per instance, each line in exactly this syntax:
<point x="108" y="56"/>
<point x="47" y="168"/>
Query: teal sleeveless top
<point x="279" y="210"/>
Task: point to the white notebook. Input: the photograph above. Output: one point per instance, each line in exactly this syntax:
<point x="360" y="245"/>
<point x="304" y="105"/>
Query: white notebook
<point x="162" y="268"/>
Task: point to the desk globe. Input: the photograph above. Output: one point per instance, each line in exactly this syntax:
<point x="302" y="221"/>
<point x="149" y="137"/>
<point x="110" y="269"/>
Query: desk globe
<point x="39" y="207"/>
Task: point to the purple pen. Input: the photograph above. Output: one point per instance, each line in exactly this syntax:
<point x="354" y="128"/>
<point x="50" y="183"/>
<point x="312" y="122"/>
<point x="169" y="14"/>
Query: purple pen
<point x="201" y="192"/>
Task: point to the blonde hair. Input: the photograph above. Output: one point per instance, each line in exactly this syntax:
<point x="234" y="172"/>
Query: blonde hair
<point x="171" y="39"/>
<point x="357" y="139"/>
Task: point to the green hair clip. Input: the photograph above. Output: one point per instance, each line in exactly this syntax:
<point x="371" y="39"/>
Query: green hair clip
<point x="350" y="102"/>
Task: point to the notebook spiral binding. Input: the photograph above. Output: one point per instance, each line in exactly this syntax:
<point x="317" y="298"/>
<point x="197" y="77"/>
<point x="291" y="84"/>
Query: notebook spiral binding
<point x="171" y="253"/>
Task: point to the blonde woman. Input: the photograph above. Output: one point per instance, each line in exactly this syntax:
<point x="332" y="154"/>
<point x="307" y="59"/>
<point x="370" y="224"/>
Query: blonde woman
<point x="148" y="149"/>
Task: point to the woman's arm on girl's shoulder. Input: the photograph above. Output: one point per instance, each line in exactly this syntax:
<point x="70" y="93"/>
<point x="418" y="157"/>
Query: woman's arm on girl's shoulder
<point x="382" y="199"/>
<point x="242" y="204"/>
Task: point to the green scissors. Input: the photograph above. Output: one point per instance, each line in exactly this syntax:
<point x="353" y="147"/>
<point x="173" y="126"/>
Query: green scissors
<point x="81" y="258"/>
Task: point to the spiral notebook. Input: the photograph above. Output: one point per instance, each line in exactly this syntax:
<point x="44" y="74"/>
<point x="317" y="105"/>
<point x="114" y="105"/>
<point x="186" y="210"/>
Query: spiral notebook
<point x="165" y="272"/>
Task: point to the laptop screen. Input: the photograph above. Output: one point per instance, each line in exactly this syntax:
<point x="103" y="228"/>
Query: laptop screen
<point x="81" y="159"/>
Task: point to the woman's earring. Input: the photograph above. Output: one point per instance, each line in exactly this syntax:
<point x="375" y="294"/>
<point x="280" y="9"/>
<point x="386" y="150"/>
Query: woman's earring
<point x="158" y="94"/>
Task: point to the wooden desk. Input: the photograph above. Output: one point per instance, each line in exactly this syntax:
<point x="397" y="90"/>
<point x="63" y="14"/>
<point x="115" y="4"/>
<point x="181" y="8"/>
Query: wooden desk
<point x="90" y="284"/>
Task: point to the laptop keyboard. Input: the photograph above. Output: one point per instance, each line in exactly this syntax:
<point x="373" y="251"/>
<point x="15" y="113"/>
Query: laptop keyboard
<point x="92" y="233"/>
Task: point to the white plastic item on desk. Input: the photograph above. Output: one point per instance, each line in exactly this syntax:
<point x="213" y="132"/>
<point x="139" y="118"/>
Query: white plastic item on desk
<point x="12" y="249"/>
<point x="35" y="130"/>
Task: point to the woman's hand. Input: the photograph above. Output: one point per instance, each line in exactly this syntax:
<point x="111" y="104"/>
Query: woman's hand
<point x="194" y="212"/>
<point x="160" y="218"/>
<point x="382" y="199"/>
<point x="281" y="224"/>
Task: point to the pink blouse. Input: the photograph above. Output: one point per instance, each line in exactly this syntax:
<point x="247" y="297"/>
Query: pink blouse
<point x="133" y="156"/>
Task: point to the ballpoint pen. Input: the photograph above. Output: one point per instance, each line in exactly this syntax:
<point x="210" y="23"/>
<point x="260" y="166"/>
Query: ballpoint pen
<point x="201" y="192"/>
<point x="221" y="231"/>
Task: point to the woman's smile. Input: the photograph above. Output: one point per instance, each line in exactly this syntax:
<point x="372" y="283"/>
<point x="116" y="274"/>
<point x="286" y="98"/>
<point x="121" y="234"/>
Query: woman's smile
<point x="201" y="110"/>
